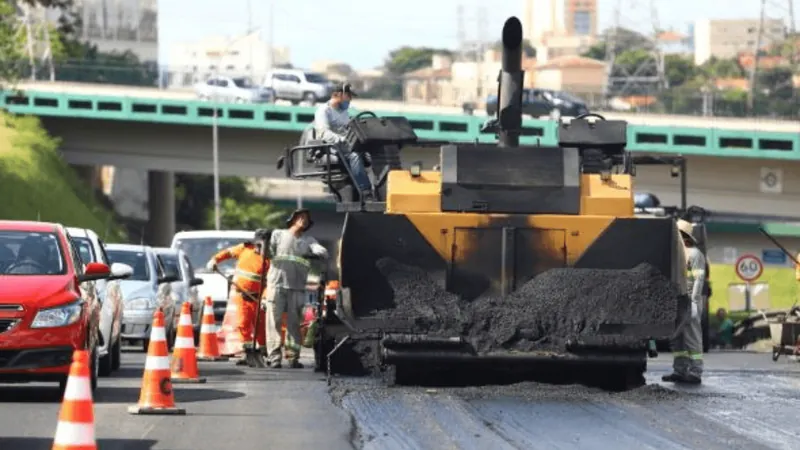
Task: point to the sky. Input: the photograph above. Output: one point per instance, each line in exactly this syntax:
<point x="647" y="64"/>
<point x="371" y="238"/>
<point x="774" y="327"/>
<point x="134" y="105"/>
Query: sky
<point x="362" y="32"/>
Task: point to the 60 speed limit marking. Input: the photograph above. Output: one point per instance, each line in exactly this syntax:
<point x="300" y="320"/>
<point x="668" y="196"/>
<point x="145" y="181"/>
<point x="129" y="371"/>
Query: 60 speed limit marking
<point x="749" y="268"/>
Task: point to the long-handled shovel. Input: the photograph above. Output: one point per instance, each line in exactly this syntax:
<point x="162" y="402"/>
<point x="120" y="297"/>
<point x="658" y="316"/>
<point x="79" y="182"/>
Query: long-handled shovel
<point x="252" y="355"/>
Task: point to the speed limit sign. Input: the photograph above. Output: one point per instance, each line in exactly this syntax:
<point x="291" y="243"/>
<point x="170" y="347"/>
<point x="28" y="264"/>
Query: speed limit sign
<point x="749" y="268"/>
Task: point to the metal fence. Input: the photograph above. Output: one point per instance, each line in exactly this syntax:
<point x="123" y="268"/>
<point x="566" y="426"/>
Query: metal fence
<point x="782" y="103"/>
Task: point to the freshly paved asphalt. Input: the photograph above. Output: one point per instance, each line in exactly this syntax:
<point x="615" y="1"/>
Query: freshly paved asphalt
<point x="747" y="401"/>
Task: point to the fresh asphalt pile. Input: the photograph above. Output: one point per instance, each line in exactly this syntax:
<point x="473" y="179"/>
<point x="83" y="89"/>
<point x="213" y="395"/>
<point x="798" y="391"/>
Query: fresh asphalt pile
<point x="554" y="308"/>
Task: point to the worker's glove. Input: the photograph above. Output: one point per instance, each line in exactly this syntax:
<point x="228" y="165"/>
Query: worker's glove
<point x="695" y="310"/>
<point x="211" y="265"/>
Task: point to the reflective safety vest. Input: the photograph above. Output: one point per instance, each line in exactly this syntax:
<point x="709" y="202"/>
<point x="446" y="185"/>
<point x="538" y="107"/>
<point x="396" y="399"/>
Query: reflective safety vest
<point x="249" y="267"/>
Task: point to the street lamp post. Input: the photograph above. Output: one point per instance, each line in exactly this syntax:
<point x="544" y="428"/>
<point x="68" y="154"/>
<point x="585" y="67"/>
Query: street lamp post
<point x="215" y="132"/>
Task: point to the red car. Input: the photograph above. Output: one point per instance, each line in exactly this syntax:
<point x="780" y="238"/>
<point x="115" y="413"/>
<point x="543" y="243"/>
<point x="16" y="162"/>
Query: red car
<point x="48" y="303"/>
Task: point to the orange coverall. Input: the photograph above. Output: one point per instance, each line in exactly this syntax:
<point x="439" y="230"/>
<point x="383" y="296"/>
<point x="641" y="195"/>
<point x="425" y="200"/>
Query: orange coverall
<point x="249" y="267"/>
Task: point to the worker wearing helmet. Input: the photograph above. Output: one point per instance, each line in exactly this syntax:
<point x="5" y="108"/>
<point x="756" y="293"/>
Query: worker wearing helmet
<point x="330" y="126"/>
<point x="291" y="251"/>
<point x="687" y="347"/>
<point x="251" y="264"/>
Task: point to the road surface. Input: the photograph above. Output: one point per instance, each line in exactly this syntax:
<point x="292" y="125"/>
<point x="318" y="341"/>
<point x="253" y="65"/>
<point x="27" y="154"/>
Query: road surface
<point x="747" y="402"/>
<point x="399" y="107"/>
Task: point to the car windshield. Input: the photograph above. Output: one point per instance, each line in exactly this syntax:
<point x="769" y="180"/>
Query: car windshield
<point x="136" y="259"/>
<point x="30" y="253"/>
<point x="243" y="82"/>
<point x="170" y="262"/>
<point x="200" y="250"/>
<point x="315" y="78"/>
<point x="85" y="249"/>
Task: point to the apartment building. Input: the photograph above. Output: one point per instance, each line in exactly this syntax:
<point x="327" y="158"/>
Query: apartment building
<point x="727" y="38"/>
<point x="243" y="55"/>
<point x="545" y="19"/>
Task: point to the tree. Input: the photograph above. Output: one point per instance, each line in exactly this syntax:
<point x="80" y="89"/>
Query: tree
<point x="399" y="62"/>
<point x="194" y="196"/>
<point x="716" y="68"/>
<point x="408" y="59"/>
<point x="11" y="56"/>
<point x="679" y="69"/>
<point x="251" y="215"/>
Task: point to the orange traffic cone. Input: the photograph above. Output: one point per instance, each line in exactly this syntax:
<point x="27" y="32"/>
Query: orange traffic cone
<point x="156" y="396"/>
<point x="209" y="346"/>
<point x="75" y="429"/>
<point x="184" y="357"/>
<point x="229" y="334"/>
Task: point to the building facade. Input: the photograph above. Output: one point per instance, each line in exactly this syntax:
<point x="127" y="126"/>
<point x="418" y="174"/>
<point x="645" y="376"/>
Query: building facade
<point x="544" y="19"/>
<point x="243" y="55"/>
<point x="727" y="38"/>
<point x="121" y="25"/>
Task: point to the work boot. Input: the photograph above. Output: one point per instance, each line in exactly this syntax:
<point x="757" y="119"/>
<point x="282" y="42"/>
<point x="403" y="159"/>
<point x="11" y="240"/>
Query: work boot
<point x="295" y="365"/>
<point x="681" y="379"/>
<point x="274" y="364"/>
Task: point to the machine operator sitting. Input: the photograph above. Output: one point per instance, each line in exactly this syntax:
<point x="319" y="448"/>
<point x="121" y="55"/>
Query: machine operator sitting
<point x="330" y="126"/>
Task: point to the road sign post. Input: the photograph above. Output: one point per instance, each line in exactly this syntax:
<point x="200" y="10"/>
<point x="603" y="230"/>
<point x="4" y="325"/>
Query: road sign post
<point x="749" y="268"/>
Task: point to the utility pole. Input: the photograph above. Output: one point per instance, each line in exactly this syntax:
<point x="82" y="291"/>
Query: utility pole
<point x="481" y="56"/>
<point x="648" y="77"/>
<point x="772" y="10"/>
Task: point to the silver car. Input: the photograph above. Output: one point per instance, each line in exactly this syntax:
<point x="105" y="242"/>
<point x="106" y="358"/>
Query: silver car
<point x="233" y="90"/>
<point x="185" y="289"/>
<point x="147" y="289"/>
<point x="109" y="292"/>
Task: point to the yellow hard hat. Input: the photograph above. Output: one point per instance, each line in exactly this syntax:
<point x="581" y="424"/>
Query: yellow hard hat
<point x="686" y="228"/>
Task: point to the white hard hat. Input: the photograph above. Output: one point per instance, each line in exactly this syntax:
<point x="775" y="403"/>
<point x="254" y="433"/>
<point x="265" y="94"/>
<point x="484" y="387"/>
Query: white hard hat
<point x="686" y="228"/>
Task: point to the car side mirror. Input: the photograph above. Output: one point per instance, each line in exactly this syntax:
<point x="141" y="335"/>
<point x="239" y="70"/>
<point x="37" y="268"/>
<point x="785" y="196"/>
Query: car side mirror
<point x="196" y="282"/>
<point x="168" y="277"/>
<point x="94" y="271"/>
<point x="120" y="271"/>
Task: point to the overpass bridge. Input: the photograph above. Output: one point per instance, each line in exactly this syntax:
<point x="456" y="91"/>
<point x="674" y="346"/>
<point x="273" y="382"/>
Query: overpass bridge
<point x="727" y="165"/>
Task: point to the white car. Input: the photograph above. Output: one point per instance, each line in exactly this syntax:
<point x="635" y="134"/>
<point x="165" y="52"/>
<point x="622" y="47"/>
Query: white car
<point x="233" y="90"/>
<point x="200" y="246"/>
<point x="298" y="86"/>
<point x="185" y="289"/>
<point x="109" y="292"/>
<point x="146" y="290"/>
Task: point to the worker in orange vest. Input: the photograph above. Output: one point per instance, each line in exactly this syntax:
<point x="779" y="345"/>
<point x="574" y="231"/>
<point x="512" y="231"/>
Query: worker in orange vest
<point x="248" y="280"/>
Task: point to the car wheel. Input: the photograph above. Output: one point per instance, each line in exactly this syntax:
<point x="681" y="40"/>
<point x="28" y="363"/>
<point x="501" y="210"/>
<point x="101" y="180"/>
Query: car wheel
<point x="295" y="102"/>
<point x="239" y="101"/>
<point x="107" y="363"/>
<point x="95" y="368"/>
<point x="311" y="98"/>
<point x="116" y="355"/>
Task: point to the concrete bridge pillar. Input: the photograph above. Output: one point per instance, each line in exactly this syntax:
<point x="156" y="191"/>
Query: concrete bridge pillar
<point x="161" y="208"/>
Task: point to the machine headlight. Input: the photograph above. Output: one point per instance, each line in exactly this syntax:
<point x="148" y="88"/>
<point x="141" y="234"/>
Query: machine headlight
<point x="141" y="304"/>
<point x="60" y="316"/>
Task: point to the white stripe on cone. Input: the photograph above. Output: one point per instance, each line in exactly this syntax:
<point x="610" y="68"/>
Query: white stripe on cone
<point x="185" y="320"/>
<point x="208" y="310"/>
<point x="330" y="292"/>
<point x="158" y="335"/>
<point x="78" y="388"/>
<point x="184" y="342"/>
<point x="206" y="329"/>
<point x="157" y="363"/>
<point x="74" y="434"/>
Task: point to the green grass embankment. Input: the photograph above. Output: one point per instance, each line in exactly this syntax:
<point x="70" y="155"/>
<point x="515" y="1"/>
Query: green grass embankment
<point x="36" y="184"/>
<point x="782" y="288"/>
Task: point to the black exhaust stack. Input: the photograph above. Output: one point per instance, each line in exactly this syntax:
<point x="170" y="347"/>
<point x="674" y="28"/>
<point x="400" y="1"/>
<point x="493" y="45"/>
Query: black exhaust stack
<point x="509" y="90"/>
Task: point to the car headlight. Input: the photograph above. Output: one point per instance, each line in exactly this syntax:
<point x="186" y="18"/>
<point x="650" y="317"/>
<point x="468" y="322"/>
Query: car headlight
<point x="60" y="316"/>
<point x="141" y="303"/>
